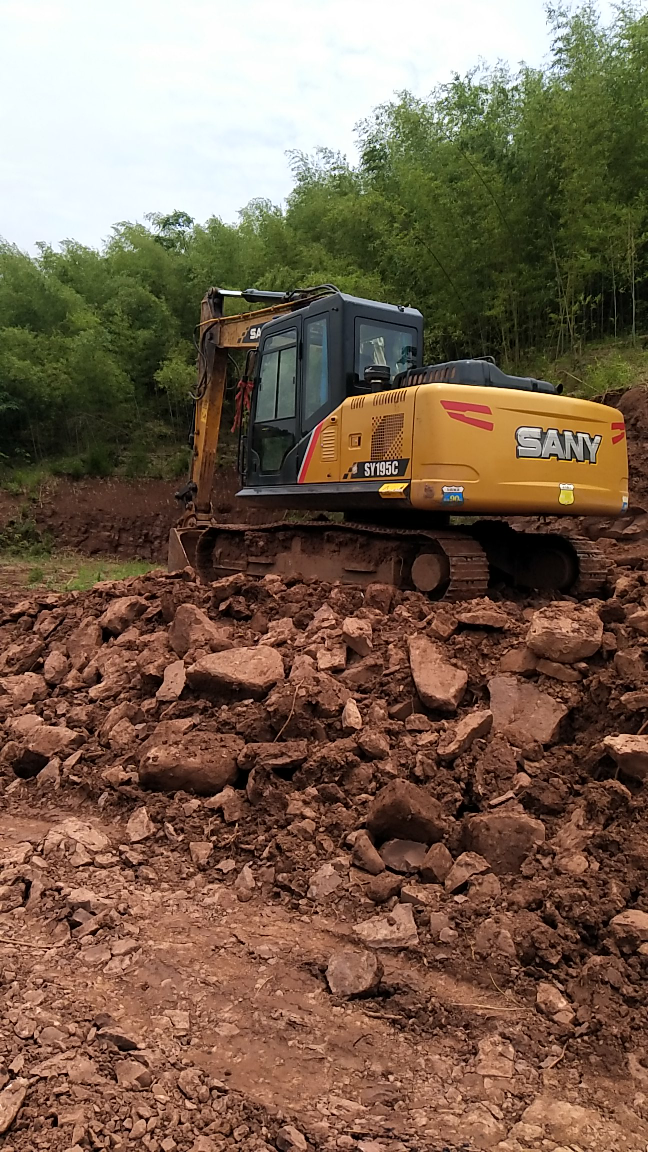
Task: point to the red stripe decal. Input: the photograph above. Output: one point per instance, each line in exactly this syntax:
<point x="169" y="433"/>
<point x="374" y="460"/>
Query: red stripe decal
<point x="620" y="428"/>
<point x="309" y="452"/>
<point x="460" y="406"/>
<point x="459" y="409"/>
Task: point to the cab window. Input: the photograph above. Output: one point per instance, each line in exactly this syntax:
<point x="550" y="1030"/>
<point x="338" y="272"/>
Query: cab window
<point x="316" y="385"/>
<point x="386" y="344"/>
<point x="278" y="377"/>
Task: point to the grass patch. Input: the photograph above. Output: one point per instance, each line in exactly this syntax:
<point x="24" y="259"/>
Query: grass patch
<point x="64" y="571"/>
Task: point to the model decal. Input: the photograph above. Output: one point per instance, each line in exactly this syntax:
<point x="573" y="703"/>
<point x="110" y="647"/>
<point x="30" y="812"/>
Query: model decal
<point x="376" y="469"/>
<point x="552" y="444"/>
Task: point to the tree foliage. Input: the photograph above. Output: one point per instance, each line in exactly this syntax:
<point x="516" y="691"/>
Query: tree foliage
<point x="511" y="208"/>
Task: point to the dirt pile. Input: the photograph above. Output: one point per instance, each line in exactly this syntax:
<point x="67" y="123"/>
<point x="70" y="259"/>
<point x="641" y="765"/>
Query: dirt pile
<point x="302" y="867"/>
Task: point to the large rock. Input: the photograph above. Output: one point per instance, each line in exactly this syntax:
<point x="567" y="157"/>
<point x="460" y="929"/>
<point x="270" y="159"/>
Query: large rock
<point x="192" y="628"/>
<point x="24" y="689"/>
<point x="565" y="633"/>
<point x="44" y="742"/>
<point x="11" y="1101"/>
<point x="395" y="930"/>
<point x="466" y="866"/>
<point x="55" y="669"/>
<point x="22" y="656"/>
<point x="121" y="613"/>
<point x="201" y="762"/>
<point x="352" y="973"/>
<point x="439" y="684"/>
<point x="630" y="928"/>
<point x="403" y="811"/>
<point x="252" y="671"/>
<point x="505" y="839"/>
<point x="84" y="643"/>
<point x="437" y="864"/>
<point x="358" y="635"/>
<point x="405" y="856"/>
<point x="523" y="712"/>
<point x="630" y="754"/>
<point x="459" y="739"/>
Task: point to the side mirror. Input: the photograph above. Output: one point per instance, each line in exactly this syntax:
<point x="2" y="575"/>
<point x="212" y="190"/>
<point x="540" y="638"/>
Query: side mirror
<point x="377" y="374"/>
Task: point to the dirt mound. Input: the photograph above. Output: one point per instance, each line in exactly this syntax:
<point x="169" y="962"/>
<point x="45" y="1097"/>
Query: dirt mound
<point x="634" y="406"/>
<point x="129" y="519"/>
<point x="255" y="893"/>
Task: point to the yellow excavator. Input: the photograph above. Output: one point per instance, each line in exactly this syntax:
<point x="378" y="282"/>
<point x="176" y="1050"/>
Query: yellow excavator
<point x="401" y="464"/>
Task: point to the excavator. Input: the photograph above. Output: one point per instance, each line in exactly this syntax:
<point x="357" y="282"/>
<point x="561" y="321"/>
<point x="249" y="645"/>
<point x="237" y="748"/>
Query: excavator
<point x="387" y="469"/>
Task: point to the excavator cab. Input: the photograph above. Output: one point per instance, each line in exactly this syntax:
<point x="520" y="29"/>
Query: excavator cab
<point x="308" y="363"/>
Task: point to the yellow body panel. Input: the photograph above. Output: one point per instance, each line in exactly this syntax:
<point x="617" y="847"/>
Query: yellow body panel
<point x="474" y="450"/>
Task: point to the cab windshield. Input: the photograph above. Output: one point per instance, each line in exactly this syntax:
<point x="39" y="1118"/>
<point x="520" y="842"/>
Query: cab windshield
<point x="384" y="344"/>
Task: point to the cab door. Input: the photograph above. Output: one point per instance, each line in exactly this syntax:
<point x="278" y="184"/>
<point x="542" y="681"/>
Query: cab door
<point x="275" y="416"/>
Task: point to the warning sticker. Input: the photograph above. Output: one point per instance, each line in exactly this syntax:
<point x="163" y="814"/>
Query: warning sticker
<point x="566" y="494"/>
<point x="452" y="494"/>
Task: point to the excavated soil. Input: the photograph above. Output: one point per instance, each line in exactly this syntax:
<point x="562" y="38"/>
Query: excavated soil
<point x="301" y="867"/>
<point x="186" y="780"/>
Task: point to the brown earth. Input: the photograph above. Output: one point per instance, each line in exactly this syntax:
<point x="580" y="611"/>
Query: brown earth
<point x="164" y="954"/>
<point x="255" y="894"/>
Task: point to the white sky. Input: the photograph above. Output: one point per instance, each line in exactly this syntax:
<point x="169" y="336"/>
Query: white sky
<point x="113" y="108"/>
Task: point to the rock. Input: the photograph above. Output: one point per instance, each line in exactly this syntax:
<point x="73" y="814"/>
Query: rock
<point x="133" y="1075"/>
<point x="87" y="900"/>
<point x="496" y="1057"/>
<point x="55" y="669"/>
<point x="358" y="635"/>
<point x="405" y="856"/>
<point x="140" y="826"/>
<point x="504" y="838"/>
<point x="113" y="1034"/>
<point x="562" y="1121"/>
<point x="279" y="632"/>
<point x="84" y="643"/>
<point x="11" y="1101"/>
<point x="231" y="803"/>
<point x="192" y="629"/>
<point x="639" y="620"/>
<point x="245" y="884"/>
<point x="407" y="812"/>
<point x="374" y="744"/>
<point x="459" y="739"/>
<point x="523" y="712"/>
<point x="439" y="684"/>
<point x="630" y="665"/>
<point x="190" y="1081"/>
<point x="22" y="656"/>
<point x="439" y="924"/>
<point x="82" y="833"/>
<point x="467" y="865"/>
<point x="558" y="671"/>
<point x="323" y="882"/>
<point x="201" y="762"/>
<point x="351" y="973"/>
<point x="550" y="1000"/>
<point x="436" y="864"/>
<point x="365" y="855"/>
<point x="253" y="671"/>
<point x="175" y="678"/>
<point x="25" y="689"/>
<point x="200" y="852"/>
<point x="630" y="753"/>
<point x="383" y="887"/>
<point x="364" y="673"/>
<point x="492" y="938"/>
<point x="331" y="658"/>
<point x="630" y="929"/>
<point x="395" y="930"/>
<point x="290" y="1139"/>
<point x="121" y="613"/>
<point x="43" y="743"/>
<point x="379" y="596"/>
<point x="351" y="718"/>
<point x="484" y="615"/>
<point x="565" y="633"/>
<point x="520" y="660"/>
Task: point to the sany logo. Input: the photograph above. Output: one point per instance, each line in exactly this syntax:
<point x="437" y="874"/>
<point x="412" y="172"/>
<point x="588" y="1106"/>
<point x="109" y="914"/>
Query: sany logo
<point x="555" y="445"/>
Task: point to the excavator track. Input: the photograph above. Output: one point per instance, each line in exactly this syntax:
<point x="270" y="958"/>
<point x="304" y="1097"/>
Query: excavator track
<point x="448" y="565"/>
<point x="352" y="553"/>
<point x="593" y="565"/>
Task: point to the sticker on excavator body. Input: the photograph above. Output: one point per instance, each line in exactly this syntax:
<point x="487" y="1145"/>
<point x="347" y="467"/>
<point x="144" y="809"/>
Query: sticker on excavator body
<point x="452" y="494"/>
<point x="566" y="494"/>
<point x="377" y="469"/>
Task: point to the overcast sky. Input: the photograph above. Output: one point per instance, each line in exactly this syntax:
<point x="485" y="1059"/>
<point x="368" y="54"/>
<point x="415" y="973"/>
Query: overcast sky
<point x="113" y="108"/>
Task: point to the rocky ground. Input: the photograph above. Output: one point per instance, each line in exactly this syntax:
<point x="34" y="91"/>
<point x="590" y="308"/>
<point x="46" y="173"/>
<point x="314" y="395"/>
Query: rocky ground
<point x="310" y="868"/>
